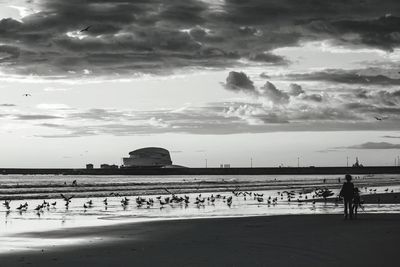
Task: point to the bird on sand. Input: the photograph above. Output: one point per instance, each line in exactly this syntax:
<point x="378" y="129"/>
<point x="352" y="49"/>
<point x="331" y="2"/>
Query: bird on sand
<point x="86" y="29"/>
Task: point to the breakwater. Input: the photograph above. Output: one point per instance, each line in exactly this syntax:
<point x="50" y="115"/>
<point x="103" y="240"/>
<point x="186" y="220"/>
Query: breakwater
<point x="206" y="171"/>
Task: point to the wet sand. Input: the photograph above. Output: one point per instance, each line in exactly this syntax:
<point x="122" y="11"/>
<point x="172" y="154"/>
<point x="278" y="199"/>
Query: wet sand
<point x="301" y="240"/>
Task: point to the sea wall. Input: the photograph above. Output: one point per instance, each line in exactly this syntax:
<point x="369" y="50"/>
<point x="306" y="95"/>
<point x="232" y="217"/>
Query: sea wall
<point x="207" y="171"/>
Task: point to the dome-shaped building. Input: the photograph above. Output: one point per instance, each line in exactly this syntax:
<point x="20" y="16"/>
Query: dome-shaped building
<point x="148" y="157"/>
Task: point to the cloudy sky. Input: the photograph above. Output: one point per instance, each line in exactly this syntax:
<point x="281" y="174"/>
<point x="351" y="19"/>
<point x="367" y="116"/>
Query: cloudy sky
<point x="222" y="80"/>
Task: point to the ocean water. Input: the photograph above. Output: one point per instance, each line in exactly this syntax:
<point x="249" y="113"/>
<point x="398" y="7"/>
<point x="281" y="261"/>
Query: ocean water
<point x="21" y="187"/>
<point x="16" y="224"/>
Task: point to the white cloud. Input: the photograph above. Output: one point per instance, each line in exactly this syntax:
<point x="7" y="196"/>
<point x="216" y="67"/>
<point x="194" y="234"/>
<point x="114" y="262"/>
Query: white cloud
<point x="159" y="123"/>
<point x="24" y="11"/>
<point x="55" y="89"/>
<point x="52" y="106"/>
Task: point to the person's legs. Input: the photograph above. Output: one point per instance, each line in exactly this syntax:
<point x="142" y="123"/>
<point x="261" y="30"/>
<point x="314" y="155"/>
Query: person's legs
<point x="350" y="201"/>
<point x="345" y="208"/>
<point x="355" y="206"/>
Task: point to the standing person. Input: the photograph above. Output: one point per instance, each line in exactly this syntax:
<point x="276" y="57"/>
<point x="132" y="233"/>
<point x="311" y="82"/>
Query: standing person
<point x="356" y="202"/>
<point x="347" y="193"/>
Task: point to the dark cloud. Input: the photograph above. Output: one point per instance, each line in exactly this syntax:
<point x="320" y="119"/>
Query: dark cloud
<point x="375" y="145"/>
<point x="11" y="53"/>
<point x="36" y="117"/>
<point x="239" y="81"/>
<point x="275" y="95"/>
<point x="391" y="136"/>
<point x="295" y="89"/>
<point x="313" y="97"/>
<point x="377" y="97"/>
<point x="7" y="105"/>
<point x="381" y="32"/>
<point x="268" y="58"/>
<point x="159" y="36"/>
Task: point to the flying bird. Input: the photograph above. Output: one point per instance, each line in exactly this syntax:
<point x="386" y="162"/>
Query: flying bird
<point x="380" y="118"/>
<point x="26" y="95"/>
<point x="86" y="29"/>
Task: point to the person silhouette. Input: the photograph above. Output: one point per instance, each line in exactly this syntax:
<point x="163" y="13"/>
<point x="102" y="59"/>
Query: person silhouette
<point x="347" y="193"/>
<point x="356" y="202"/>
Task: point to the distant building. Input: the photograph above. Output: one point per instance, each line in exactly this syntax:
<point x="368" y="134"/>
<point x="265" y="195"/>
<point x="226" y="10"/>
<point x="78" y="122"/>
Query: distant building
<point x="108" y="166"/>
<point x="225" y="165"/>
<point x="148" y="157"/>
<point x="89" y="166"/>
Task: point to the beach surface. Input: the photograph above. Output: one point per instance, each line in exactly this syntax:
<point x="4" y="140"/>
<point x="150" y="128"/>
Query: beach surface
<point x="289" y="240"/>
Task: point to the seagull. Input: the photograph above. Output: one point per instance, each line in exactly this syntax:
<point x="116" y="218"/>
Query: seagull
<point x="26" y="95"/>
<point x="7" y="204"/>
<point x="229" y="201"/>
<point x="162" y="203"/>
<point x="66" y="199"/>
<point x="86" y="29"/>
<point x="380" y="118"/>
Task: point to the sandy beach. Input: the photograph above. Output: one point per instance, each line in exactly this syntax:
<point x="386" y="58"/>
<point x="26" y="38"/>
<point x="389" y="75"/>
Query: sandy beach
<point x="301" y="240"/>
<point x="260" y="228"/>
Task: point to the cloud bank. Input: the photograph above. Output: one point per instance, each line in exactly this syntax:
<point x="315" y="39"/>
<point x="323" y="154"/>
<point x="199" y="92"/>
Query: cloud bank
<point x="158" y="36"/>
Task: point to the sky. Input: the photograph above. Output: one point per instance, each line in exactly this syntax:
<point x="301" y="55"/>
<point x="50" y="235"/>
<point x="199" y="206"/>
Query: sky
<point x="223" y="81"/>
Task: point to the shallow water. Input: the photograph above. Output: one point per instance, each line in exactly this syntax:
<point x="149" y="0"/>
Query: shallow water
<point x="16" y="187"/>
<point x="13" y="223"/>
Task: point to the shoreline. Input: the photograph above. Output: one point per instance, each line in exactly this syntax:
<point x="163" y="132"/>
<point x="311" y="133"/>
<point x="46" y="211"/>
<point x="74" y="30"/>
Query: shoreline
<point x="285" y="240"/>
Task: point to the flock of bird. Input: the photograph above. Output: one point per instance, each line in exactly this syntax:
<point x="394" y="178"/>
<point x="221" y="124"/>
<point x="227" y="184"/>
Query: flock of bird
<point x="199" y="201"/>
